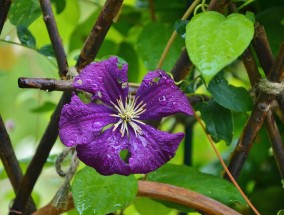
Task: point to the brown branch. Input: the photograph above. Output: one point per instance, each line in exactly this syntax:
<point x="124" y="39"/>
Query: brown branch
<point x="10" y="162"/>
<point x="47" y="84"/>
<point x="182" y="66"/>
<point x="166" y="192"/>
<point x="98" y="33"/>
<point x="271" y="126"/>
<point x="257" y="118"/>
<point x="218" y="5"/>
<point x="4" y="9"/>
<point x="54" y="36"/>
<point x="262" y="48"/>
<point x="276" y="142"/>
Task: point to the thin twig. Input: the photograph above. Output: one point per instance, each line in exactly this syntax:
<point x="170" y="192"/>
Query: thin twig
<point x="224" y="165"/>
<point x="4" y="9"/>
<point x="174" y="34"/>
<point x="54" y="36"/>
<point x="257" y="118"/>
<point x="98" y="33"/>
<point x="166" y="192"/>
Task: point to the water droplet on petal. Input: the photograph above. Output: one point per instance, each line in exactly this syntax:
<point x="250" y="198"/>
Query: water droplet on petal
<point x="100" y="79"/>
<point x="168" y="81"/>
<point x="94" y="86"/>
<point x="163" y="100"/>
<point x="130" y="160"/>
<point x="89" y="80"/>
<point x="96" y="125"/>
<point x="71" y="142"/>
<point x="99" y="94"/>
<point x="84" y="140"/>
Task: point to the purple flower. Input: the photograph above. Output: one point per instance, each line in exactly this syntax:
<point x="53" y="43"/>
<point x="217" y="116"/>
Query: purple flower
<point x="100" y="131"/>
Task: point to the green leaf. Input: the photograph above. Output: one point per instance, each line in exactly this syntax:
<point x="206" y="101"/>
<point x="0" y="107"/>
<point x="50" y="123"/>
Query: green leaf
<point x="151" y="43"/>
<point x="218" y="120"/>
<point x="97" y="194"/>
<point x="81" y="32"/>
<point x="229" y="96"/>
<point x="47" y="50"/>
<point x="147" y="206"/>
<point x="281" y="212"/>
<point x="131" y="57"/>
<point x="45" y="107"/>
<point x="24" y="12"/>
<point x="180" y="27"/>
<point x="59" y="5"/>
<point x="26" y="37"/>
<point x="213" y="41"/>
<point x="212" y="186"/>
<point x="129" y="17"/>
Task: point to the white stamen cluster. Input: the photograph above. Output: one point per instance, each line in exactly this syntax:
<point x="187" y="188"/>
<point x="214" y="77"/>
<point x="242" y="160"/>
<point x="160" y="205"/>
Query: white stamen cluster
<point x="128" y="114"/>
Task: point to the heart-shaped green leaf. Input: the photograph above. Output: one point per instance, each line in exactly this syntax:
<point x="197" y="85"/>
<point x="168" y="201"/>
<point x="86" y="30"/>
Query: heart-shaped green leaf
<point x="213" y="41"/>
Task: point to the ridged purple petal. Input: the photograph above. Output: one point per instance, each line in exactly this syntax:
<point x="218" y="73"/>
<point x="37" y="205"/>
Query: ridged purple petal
<point x="81" y="123"/>
<point x="104" y="80"/>
<point x="152" y="149"/>
<point x="103" y="154"/>
<point x="162" y="96"/>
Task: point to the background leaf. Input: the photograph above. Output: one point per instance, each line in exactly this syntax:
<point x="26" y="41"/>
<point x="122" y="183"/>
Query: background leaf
<point x="208" y="185"/>
<point x="24" y="12"/>
<point x="97" y="194"/>
<point x="47" y="50"/>
<point x="218" y="120"/>
<point x="213" y="41"/>
<point x="45" y="107"/>
<point x="151" y="43"/>
<point x="26" y="37"/>
<point x="229" y="96"/>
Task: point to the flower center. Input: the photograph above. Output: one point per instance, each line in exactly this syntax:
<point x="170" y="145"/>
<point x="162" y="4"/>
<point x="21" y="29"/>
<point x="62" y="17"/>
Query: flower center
<point x="128" y="113"/>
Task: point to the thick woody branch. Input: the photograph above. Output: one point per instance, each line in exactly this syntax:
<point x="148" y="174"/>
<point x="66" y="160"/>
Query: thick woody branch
<point x="257" y="118"/>
<point x="166" y="192"/>
<point x="54" y="36"/>
<point x="98" y="33"/>
<point x="4" y="9"/>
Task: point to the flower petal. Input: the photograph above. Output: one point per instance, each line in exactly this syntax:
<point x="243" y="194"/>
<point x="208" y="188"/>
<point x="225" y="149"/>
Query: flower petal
<point x="79" y="123"/>
<point x="152" y="149"/>
<point x="104" y="80"/>
<point x="103" y="154"/>
<point x="162" y="96"/>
